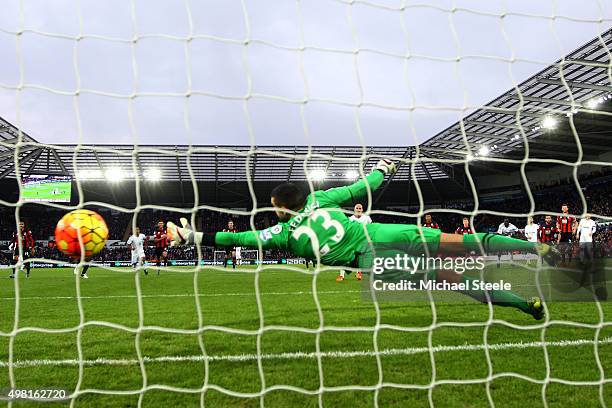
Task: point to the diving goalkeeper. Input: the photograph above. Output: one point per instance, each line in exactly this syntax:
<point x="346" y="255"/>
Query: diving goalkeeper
<point x="314" y="226"/>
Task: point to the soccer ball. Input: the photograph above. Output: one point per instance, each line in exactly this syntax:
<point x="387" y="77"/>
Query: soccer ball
<point x="84" y="225"/>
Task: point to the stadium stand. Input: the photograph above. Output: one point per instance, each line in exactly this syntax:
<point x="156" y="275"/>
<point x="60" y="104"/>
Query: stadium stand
<point x="597" y="190"/>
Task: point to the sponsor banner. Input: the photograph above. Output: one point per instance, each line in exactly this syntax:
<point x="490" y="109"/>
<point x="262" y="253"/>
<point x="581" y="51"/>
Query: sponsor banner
<point x="291" y="261"/>
<point x="178" y="262"/>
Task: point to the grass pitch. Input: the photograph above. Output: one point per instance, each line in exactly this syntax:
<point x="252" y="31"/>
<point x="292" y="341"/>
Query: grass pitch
<point x="291" y="358"/>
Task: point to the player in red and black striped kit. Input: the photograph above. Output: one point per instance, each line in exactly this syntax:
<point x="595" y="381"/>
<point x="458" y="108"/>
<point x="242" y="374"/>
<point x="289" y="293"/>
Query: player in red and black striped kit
<point x="429" y="222"/>
<point x="548" y="232"/>
<point x="566" y="225"/>
<point x="27" y="243"/>
<point x="231" y="251"/>
<point x="161" y="245"/>
<point x="465" y="227"/>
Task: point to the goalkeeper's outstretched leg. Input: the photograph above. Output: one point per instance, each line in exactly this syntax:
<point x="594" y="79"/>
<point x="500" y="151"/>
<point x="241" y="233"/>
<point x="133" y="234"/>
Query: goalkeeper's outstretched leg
<point x="430" y="241"/>
<point x="505" y="298"/>
<point x="433" y="241"/>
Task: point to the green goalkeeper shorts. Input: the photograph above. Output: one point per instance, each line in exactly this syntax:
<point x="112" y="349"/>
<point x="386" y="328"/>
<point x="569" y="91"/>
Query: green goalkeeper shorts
<point x="389" y="240"/>
<point x="405" y="235"/>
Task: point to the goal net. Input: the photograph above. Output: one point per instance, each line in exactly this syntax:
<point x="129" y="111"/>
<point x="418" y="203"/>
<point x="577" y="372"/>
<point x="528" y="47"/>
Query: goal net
<point x="492" y="111"/>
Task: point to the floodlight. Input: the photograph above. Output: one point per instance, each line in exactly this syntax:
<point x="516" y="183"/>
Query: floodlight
<point x="317" y="175"/>
<point x="592" y="104"/>
<point x="484" y="151"/>
<point x="89" y="174"/>
<point x="549" y="122"/>
<point x="351" y="174"/>
<point x="153" y="174"/>
<point x="114" y="174"/>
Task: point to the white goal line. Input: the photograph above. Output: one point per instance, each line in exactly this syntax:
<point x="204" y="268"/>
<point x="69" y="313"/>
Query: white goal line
<point x="308" y="356"/>
<point x="179" y="295"/>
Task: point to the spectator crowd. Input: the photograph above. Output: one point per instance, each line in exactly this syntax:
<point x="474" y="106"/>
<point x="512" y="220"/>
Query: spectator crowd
<point x="597" y="195"/>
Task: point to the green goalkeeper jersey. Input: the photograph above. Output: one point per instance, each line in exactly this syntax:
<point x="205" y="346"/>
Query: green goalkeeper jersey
<point x="321" y="225"/>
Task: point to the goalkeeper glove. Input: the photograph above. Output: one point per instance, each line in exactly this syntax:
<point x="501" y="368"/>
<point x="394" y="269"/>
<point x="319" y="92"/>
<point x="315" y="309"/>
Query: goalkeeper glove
<point x="386" y="166"/>
<point x="184" y="235"/>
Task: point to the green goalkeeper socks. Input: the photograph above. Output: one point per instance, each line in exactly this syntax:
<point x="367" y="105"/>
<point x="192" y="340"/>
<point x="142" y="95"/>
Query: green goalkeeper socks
<point x="497" y="297"/>
<point x="493" y="243"/>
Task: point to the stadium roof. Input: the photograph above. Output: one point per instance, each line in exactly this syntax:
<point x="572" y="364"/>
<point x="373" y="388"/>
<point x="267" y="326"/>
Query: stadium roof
<point x="211" y="163"/>
<point x="560" y="111"/>
<point x="566" y="104"/>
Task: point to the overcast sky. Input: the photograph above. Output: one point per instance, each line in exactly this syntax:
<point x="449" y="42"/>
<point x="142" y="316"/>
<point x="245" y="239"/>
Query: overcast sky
<point x="328" y="80"/>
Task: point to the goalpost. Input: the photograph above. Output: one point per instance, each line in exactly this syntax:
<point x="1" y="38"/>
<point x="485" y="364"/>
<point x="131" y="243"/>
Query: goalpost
<point x="368" y="81"/>
<point x="243" y="257"/>
<point x="248" y="257"/>
<point x="219" y="257"/>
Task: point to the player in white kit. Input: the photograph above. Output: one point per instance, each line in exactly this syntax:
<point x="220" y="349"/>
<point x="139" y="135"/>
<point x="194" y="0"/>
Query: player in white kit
<point x="136" y="244"/>
<point x="531" y="232"/>
<point x="586" y="229"/>
<point x="507" y="229"/>
<point x="363" y="219"/>
<point x="594" y="276"/>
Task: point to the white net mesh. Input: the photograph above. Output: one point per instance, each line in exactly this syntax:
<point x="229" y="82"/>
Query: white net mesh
<point x="373" y="85"/>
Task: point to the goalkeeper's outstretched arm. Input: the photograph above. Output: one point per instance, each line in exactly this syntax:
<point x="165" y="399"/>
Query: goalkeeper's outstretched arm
<point x="273" y="237"/>
<point x="343" y="196"/>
